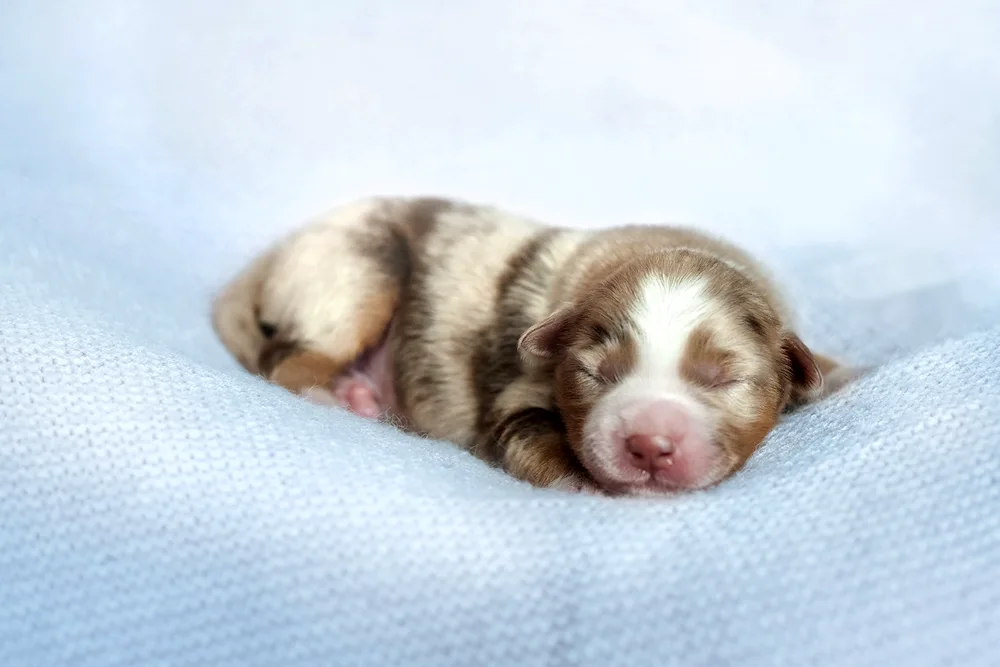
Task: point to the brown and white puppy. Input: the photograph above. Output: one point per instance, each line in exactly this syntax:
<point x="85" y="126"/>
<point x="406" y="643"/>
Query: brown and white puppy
<point x="634" y="359"/>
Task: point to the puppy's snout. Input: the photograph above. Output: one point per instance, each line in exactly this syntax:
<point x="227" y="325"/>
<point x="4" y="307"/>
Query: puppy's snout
<point x="654" y="434"/>
<point x="650" y="452"/>
<point x="662" y="439"/>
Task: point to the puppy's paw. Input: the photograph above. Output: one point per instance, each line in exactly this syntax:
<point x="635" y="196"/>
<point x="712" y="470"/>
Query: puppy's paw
<point x="576" y="484"/>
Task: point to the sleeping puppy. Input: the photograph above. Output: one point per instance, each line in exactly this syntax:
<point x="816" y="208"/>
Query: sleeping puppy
<point x="630" y="360"/>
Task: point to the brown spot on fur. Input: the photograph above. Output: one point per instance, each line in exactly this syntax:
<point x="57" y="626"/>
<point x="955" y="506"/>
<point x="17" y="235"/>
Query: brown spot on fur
<point x="416" y="310"/>
<point x="618" y="361"/>
<point x="754" y="323"/>
<point x="740" y="441"/>
<point x="704" y="363"/>
<point x="304" y="369"/>
<point x="599" y="332"/>
<point x="531" y="445"/>
<point x="495" y="360"/>
<point x="273" y="354"/>
<point x="602" y="325"/>
<point x="390" y="251"/>
<point x="422" y="215"/>
<point x="395" y="251"/>
<point x="527" y="424"/>
<point x="295" y="368"/>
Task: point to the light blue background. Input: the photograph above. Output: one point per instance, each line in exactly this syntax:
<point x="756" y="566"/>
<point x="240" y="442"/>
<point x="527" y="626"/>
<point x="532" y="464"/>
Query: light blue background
<point x="158" y="506"/>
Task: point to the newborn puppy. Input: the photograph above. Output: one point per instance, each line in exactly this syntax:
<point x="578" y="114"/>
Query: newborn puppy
<point x="637" y="359"/>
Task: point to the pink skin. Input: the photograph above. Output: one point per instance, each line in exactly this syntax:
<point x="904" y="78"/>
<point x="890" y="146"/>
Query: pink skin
<point x="655" y="446"/>
<point x="366" y="388"/>
<point x="357" y="393"/>
<point x="650" y="446"/>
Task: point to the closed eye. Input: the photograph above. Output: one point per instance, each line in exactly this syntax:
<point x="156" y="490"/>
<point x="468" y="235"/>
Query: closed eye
<point x="600" y="333"/>
<point x="714" y="376"/>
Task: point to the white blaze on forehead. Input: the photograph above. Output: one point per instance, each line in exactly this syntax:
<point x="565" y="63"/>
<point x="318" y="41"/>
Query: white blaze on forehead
<point x="663" y="317"/>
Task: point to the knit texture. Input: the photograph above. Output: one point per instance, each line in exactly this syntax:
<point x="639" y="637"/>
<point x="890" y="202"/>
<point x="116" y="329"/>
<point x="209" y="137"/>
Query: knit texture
<point x="159" y="506"/>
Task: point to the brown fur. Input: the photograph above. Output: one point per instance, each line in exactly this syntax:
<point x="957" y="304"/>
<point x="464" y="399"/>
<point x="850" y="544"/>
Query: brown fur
<point x="605" y="313"/>
<point x="505" y="332"/>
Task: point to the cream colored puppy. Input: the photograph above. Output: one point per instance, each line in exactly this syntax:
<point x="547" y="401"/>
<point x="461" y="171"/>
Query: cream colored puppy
<point x="634" y="360"/>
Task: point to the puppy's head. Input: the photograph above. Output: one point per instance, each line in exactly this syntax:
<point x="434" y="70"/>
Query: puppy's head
<point x="671" y="372"/>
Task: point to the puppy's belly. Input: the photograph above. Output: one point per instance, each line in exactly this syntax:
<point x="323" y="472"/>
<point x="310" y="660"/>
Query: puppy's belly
<point x="366" y="388"/>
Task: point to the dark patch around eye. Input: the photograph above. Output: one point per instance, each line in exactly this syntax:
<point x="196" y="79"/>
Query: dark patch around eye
<point x="268" y="330"/>
<point x="705" y="364"/>
<point x="711" y="375"/>
<point x="753" y="323"/>
<point x="600" y="333"/>
<point x="617" y="363"/>
<point x="609" y="370"/>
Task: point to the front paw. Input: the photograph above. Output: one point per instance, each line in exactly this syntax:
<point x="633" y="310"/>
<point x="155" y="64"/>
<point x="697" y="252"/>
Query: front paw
<point x="575" y="483"/>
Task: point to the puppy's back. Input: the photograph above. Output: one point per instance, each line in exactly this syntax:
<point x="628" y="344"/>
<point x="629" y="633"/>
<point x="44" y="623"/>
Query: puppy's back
<point x="479" y="279"/>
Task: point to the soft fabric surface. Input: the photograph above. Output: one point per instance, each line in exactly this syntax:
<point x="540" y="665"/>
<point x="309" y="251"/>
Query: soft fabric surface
<point x="158" y="506"/>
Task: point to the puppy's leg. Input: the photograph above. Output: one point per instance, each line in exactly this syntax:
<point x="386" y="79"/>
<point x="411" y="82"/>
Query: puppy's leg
<point x="530" y="444"/>
<point x="305" y="312"/>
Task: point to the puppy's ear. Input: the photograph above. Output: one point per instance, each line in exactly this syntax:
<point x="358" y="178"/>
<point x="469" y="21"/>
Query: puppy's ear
<point x="548" y="338"/>
<point x="813" y="376"/>
<point x="804" y="371"/>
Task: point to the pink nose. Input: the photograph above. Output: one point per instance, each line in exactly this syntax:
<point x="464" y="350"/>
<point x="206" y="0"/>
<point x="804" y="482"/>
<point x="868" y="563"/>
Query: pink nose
<point x="650" y="452"/>
<point x="655" y="433"/>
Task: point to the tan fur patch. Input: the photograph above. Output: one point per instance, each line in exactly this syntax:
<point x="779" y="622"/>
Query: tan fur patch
<point x="305" y="369"/>
<point x="705" y="363"/>
<point x="618" y="361"/>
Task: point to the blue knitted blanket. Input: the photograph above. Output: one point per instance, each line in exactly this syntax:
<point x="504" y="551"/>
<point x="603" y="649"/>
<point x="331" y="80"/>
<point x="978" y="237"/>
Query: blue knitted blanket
<point x="159" y="506"/>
